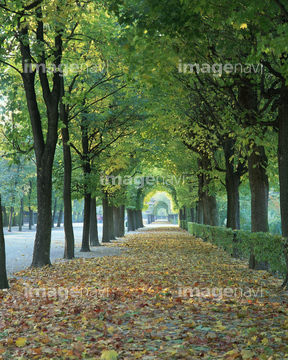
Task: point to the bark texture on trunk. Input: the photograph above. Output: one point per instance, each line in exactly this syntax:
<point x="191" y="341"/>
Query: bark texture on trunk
<point x="213" y="210"/>
<point x="283" y="169"/>
<point x="54" y="212"/>
<point x="21" y="214"/>
<point x="59" y="221"/>
<point x="117" y="221"/>
<point x="111" y="223"/>
<point x="122" y="221"/>
<point x="232" y="183"/>
<point x="4" y="219"/>
<point x="259" y="186"/>
<point x="44" y="149"/>
<point x="41" y="252"/>
<point x="10" y="218"/>
<point x="200" y="208"/>
<point x="86" y="223"/>
<point x="86" y="166"/>
<point x="131" y="220"/>
<point x="192" y="214"/>
<point x="180" y="215"/>
<point x="69" y="250"/>
<point x="257" y="165"/>
<point x="106" y="232"/>
<point x="141" y="219"/>
<point x="31" y="218"/>
<point x="94" y="240"/>
<point x="206" y="200"/>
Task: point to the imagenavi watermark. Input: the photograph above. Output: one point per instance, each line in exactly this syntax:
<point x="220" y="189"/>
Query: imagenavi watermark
<point x="217" y="69"/>
<point x="140" y="181"/>
<point x="218" y="293"/>
<point x="63" y="293"/>
<point x="65" y="69"/>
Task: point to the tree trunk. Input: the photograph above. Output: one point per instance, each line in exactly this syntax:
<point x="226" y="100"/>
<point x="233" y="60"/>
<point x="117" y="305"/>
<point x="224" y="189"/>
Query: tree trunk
<point x="206" y="210"/>
<point x="233" y="202"/>
<point x="259" y="186"/>
<point x="5" y="222"/>
<point x="232" y="184"/>
<point x="21" y="215"/>
<point x="3" y="275"/>
<point x="10" y="218"/>
<point x="105" y="234"/>
<point x="86" y="223"/>
<point x="94" y="241"/>
<point x="131" y="220"/>
<point x="41" y="252"/>
<point x="44" y="149"/>
<point x="137" y="219"/>
<point x="257" y="164"/>
<point x="122" y="221"/>
<point x="87" y="193"/>
<point x="59" y="221"/>
<point x="180" y="215"/>
<point x="196" y="212"/>
<point x="31" y="213"/>
<point x="200" y="195"/>
<point x="134" y="219"/>
<point x="283" y="169"/>
<point x="213" y="210"/>
<point x="192" y="215"/>
<point x="31" y="218"/>
<point x="184" y="213"/>
<point x="69" y="251"/>
<point x="141" y="218"/>
<point x="117" y="221"/>
<point x="54" y="212"/>
<point x="111" y="223"/>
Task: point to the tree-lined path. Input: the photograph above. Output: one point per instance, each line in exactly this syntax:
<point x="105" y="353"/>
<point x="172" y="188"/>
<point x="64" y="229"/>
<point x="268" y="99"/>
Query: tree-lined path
<point x="122" y="112"/>
<point x="139" y="305"/>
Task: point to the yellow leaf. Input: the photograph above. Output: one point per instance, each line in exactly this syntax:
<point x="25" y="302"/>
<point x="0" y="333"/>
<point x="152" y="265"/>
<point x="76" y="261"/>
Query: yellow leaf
<point x="109" y="355"/>
<point x="243" y="26"/>
<point x="20" y="342"/>
<point x="192" y="324"/>
<point x="247" y="354"/>
<point x="111" y="330"/>
<point x="265" y="341"/>
<point x="45" y="339"/>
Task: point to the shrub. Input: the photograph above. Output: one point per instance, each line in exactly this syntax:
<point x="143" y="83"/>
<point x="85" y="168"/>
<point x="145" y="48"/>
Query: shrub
<point x="239" y="243"/>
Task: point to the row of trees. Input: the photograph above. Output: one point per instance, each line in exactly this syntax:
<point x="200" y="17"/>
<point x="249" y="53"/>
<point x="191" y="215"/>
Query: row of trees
<point x="231" y="88"/>
<point x="178" y="88"/>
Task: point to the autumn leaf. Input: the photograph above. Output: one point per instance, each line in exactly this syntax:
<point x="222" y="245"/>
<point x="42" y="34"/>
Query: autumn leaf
<point x="20" y="342"/>
<point x="247" y="354"/>
<point x="90" y="325"/>
<point x="109" y="355"/>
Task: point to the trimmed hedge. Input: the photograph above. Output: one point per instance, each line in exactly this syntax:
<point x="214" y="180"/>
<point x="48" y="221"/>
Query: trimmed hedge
<point x="238" y="243"/>
<point x="183" y="224"/>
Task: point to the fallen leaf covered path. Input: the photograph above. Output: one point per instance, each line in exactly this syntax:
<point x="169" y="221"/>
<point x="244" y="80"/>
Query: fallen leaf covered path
<point x="169" y="296"/>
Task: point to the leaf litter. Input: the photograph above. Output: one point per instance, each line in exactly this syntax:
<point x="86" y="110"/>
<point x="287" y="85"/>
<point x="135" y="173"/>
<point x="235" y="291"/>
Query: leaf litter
<point x="169" y="296"/>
